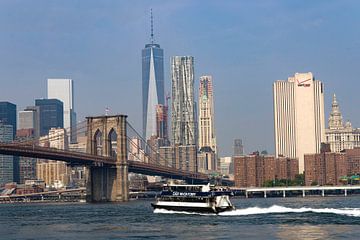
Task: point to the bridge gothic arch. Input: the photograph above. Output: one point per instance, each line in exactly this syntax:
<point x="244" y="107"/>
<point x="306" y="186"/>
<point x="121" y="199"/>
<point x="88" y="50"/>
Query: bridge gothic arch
<point x="112" y="142"/>
<point x="97" y="141"/>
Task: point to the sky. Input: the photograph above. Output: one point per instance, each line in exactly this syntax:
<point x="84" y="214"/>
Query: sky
<point x="244" y="45"/>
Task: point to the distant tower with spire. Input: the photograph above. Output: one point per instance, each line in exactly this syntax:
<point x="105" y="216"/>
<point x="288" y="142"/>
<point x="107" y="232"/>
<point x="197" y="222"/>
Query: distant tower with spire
<point x="340" y="136"/>
<point x="152" y="82"/>
<point x="335" y="119"/>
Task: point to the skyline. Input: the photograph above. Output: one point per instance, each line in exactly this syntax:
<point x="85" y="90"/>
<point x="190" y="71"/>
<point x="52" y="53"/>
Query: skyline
<point x="102" y="52"/>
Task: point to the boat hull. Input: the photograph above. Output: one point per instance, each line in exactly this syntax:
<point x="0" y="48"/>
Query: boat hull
<point x="191" y="209"/>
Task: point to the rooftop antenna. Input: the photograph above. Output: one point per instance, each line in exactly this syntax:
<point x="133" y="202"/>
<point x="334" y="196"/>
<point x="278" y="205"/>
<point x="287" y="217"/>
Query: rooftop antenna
<point x="152" y="27"/>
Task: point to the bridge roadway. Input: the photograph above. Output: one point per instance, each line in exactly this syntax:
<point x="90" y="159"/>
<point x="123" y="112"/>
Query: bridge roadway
<point x="77" y="158"/>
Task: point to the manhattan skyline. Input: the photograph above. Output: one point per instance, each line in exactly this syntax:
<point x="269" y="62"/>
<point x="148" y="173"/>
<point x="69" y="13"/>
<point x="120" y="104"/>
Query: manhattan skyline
<point x="245" y="46"/>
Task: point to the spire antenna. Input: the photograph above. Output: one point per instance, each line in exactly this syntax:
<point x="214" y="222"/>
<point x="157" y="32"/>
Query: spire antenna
<point x="152" y="26"/>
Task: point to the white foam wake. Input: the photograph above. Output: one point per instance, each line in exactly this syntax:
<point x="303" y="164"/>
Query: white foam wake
<point x="354" y="212"/>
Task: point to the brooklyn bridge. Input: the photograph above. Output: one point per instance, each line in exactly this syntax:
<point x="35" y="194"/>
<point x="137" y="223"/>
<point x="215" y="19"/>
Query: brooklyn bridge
<point x="107" y="158"/>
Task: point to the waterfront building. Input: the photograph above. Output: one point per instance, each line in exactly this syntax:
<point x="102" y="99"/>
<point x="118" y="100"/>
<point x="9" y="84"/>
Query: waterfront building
<point x="254" y="170"/>
<point x="63" y="89"/>
<point x="353" y="161"/>
<point x="8" y="115"/>
<point x="152" y="83"/>
<point x="325" y="168"/>
<point x="340" y="136"/>
<point x="238" y="147"/>
<point x="206" y="114"/>
<point x="54" y="173"/>
<point x="51" y="114"/>
<point x="183" y="118"/>
<point x="298" y="116"/>
<point x="6" y="161"/>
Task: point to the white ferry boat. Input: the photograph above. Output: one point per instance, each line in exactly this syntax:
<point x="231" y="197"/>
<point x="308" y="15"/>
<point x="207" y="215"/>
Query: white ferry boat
<point x="194" y="198"/>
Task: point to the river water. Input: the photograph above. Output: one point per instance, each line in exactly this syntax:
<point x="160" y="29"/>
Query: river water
<point x="256" y="218"/>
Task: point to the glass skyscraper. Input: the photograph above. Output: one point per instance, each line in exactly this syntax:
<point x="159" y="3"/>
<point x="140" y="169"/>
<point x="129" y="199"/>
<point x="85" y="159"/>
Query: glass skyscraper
<point x="63" y="89"/>
<point x="152" y="84"/>
<point x="51" y="114"/>
<point x="8" y="115"/>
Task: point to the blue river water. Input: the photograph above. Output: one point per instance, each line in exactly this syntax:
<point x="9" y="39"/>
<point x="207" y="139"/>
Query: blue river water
<point x="256" y="218"/>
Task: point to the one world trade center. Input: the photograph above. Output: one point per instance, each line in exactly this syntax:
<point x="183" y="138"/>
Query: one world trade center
<point x="152" y="83"/>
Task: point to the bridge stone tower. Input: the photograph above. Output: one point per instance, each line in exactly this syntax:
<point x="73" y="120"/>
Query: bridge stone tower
<point x="106" y="136"/>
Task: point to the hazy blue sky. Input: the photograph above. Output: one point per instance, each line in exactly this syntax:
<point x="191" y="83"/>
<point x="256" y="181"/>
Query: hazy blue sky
<point x="245" y="45"/>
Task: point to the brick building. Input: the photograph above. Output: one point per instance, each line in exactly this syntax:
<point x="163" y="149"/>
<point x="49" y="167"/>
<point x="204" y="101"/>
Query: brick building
<point x="254" y="170"/>
<point x="353" y="160"/>
<point x="325" y="168"/>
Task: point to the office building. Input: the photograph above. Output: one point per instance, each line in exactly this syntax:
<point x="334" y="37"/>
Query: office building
<point x="340" y="136"/>
<point x="152" y="83"/>
<point x="238" y="147"/>
<point x="6" y="161"/>
<point x="51" y="114"/>
<point x="206" y="114"/>
<point x="183" y="113"/>
<point x="27" y="165"/>
<point x="179" y="157"/>
<point x="63" y="89"/>
<point x="226" y="166"/>
<point x="207" y="160"/>
<point x="162" y="124"/>
<point x="8" y="115"/>
<point x="298" y="116"/>
<point x="54" y="173"/>
<point x="29" y="118"/>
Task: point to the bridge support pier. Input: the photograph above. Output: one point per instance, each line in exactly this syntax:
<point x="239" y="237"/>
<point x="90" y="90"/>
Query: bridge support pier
<point x="107" y="183"/>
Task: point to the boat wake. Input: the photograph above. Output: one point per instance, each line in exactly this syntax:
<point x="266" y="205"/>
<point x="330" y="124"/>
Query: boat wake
<point x="353" y="212"/>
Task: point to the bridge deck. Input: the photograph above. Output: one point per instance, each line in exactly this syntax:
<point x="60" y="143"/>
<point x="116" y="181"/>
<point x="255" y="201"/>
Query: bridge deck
<point x="77" y="158"/>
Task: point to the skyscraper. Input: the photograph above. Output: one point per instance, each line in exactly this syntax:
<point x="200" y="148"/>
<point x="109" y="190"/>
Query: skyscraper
<point x="162" y="124"/>
<point x="298" y="116"/>
<point x="51" y="114"/>
<point x="152" y="83"/>
<point x="238" y="147"/>
<point x="63" y="89"/>
<point x="8" y="115"/>
<point x="6" y="161"/>
<point x="206" y="114"/>
<point x="29" y="118"/>
<point x="183" y="113"/>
